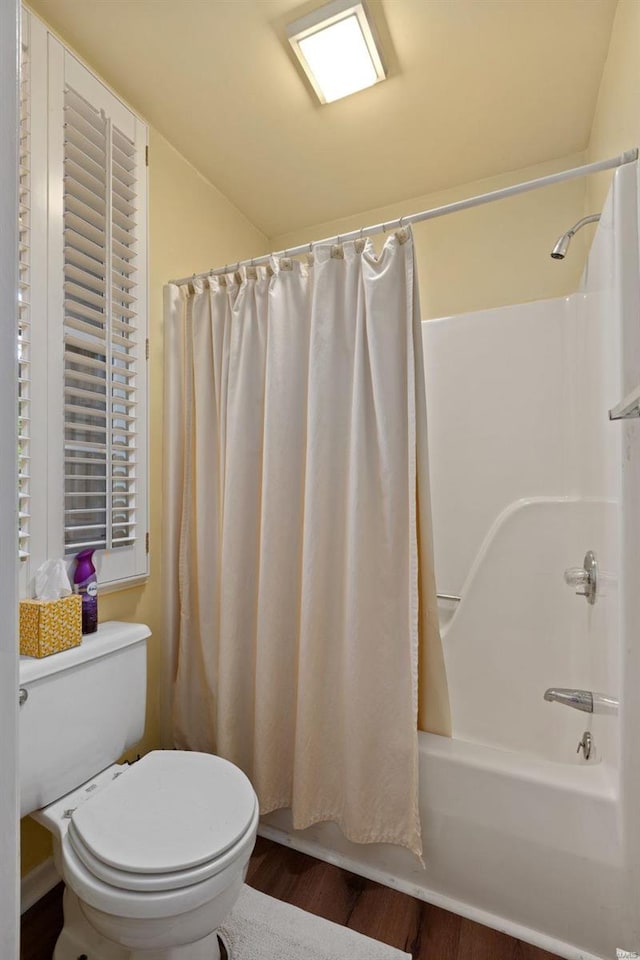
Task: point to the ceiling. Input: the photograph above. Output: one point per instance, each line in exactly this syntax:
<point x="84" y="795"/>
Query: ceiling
<point x="476" y="88"/>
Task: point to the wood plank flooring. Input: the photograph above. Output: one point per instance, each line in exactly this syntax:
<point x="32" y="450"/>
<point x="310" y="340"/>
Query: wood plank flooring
<point x="41" y="926"/>
<point x="424" y="931"/>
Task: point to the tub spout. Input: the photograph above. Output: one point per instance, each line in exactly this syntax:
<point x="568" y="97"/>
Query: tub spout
<point x="578" y="699"/>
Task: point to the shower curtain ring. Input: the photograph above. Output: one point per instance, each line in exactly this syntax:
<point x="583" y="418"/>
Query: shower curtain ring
<point x="384" y="228"/>
<point x="362" y="233"/>
<point x="310" y="249"/>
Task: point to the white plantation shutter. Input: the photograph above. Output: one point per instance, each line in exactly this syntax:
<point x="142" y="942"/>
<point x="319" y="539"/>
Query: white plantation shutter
<point x="102" y="303"/>
<point x="82" y="317"/>
<point x="86" y="325"/>
<point x="24" y="314"/>
<point x="124" y="342"/>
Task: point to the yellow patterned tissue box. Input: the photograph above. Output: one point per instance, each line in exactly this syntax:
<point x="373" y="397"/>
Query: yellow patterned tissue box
<point x="48" y="626"/>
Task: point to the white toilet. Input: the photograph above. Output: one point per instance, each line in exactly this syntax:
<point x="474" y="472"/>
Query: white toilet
<point x="153" y="854"/>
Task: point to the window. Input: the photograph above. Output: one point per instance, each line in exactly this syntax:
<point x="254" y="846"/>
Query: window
<point x="88" y="406"/>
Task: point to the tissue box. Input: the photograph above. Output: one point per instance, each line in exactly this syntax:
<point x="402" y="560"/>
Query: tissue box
<point x="48" y="626"/>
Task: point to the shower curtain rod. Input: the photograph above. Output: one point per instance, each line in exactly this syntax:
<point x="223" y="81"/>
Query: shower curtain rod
<point x="629" y="156"/>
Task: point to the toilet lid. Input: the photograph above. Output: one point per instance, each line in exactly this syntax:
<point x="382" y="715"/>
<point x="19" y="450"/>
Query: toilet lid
<point x="170" y="811"/>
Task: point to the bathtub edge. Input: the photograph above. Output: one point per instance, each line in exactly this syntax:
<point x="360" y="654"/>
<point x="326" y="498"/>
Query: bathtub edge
<point x="528" y="935"/>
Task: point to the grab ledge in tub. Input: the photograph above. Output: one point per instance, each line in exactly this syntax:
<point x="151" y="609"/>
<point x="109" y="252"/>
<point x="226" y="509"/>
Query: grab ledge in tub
<point x="505" y="515"/>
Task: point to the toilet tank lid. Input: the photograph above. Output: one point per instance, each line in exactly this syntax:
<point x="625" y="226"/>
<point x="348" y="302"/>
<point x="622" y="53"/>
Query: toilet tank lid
<point x="108" y="638"/>
<point x="170" y="811"/>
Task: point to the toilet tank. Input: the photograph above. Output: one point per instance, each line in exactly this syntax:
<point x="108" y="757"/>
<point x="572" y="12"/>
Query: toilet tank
<point x="80" y="710"/>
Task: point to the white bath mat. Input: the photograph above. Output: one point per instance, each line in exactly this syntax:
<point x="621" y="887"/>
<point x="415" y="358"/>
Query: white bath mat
<point x="261" y="928"/>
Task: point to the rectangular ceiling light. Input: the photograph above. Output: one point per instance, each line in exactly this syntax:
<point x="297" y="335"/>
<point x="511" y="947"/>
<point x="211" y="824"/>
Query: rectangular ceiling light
<point x="336" y="48"/>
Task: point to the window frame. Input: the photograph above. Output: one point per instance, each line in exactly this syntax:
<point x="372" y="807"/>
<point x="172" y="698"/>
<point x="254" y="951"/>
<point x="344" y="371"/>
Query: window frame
<point x="54" y="65"/>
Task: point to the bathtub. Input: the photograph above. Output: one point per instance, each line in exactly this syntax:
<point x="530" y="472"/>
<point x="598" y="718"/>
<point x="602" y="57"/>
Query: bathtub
<point x="519" y="831"/>
<point x="509" y="841"/>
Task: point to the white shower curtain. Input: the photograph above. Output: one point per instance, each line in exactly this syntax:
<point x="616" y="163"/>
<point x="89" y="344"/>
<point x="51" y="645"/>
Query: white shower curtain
<point x="291" y="406"/>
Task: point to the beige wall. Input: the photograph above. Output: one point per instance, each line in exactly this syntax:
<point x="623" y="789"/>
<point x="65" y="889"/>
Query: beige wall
<point x="616" y="123"/>
<point x="192" y="227"/>
<point x="488" y="256"/>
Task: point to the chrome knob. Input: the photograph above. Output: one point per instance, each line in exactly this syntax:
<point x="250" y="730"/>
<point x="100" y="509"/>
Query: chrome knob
<point x="584" y="578"/>
<point x="576" y="576"/>
<point x="23" y="695"/>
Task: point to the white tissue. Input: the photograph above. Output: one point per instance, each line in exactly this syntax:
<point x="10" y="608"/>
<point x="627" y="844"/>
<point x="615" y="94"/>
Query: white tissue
<point x="51" y="581"/>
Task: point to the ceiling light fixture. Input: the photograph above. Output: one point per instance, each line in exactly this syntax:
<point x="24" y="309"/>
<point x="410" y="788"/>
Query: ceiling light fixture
<point x="337" y="50"/>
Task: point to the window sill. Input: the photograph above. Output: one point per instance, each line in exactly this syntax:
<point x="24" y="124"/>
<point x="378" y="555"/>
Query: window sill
<point x="115" y="586"/>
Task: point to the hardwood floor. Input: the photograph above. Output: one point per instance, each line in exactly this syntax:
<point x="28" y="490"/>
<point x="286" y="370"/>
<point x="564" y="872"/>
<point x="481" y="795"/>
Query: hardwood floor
<point x="41" y="926"/>
<point x="424" y="931"/>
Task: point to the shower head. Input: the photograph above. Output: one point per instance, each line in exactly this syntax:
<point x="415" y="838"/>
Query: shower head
<point x="559" y="251"/>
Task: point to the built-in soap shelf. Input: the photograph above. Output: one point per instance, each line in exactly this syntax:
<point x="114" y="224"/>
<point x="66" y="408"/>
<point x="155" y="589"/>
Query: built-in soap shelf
<point x="627" y="408"/>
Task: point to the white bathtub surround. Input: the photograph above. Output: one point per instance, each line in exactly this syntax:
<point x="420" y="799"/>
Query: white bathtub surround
<point x="522" y="629"/>
<point x="261" y="928"/>
<point x="527" y="474"/>
<point x="295" y="403"/>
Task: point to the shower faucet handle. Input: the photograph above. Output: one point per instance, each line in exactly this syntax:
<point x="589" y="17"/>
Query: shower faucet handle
<point x="576" y="576"/>
<point x="585" y="578"/>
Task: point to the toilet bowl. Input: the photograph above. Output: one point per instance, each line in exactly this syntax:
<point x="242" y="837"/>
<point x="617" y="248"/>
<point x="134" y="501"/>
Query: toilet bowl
<point x="153" y="854"/>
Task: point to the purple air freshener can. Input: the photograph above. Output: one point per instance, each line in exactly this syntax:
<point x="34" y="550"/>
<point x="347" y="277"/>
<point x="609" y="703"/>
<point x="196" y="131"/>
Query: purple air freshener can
<point x="85" y="582"/>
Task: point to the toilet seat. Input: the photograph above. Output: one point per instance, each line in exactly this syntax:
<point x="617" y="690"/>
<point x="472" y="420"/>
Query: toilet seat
<point x="174" y="880"/>
<point x="170" y="812"/>
<point x="167" y="834"/>
<point x="152" y="904"/>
